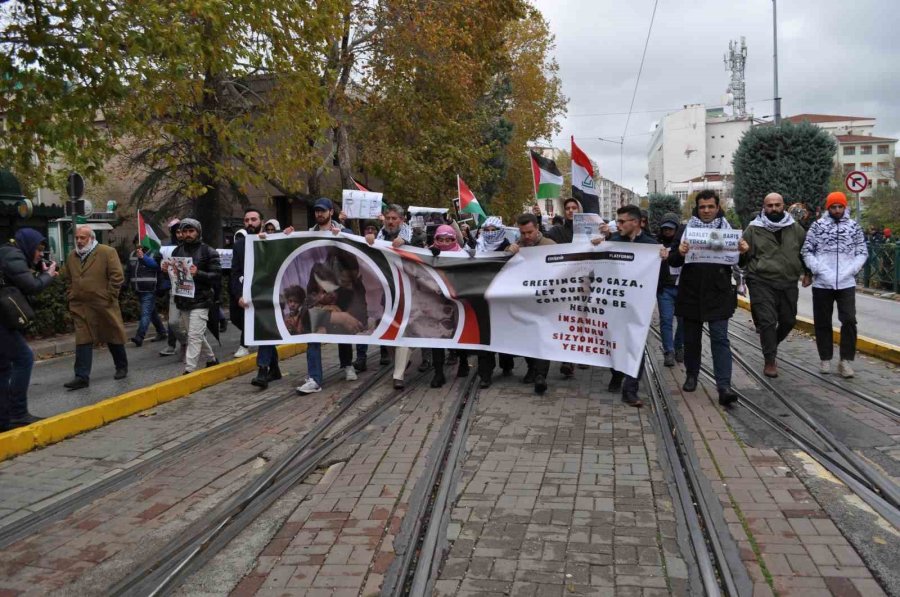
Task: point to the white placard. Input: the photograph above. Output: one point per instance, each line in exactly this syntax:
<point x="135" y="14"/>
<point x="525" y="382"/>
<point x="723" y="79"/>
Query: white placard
<point x="361" y="205"/>
<point x="585" y="226"/>
<point x="712" y="245"/>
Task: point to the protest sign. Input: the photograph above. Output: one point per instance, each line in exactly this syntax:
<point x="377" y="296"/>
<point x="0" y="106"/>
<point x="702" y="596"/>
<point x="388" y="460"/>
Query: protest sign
<point x="582" y="304"/>
<point x="180" y="274"/>
<point x="712" y="245"/>
<point x="361" y="205"/>
<point x="224" y="255"/>
<point x="585" y="226"/>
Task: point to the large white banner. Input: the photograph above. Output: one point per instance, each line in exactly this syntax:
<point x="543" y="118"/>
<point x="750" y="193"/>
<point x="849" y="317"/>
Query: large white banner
<point x="574" y="303"/>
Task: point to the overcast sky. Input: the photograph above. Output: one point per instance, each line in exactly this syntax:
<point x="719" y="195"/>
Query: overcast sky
<point x="834" y="57"/>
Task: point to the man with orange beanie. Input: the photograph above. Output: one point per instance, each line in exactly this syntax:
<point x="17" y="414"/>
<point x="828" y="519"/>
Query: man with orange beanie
<point x="834" y="251"/>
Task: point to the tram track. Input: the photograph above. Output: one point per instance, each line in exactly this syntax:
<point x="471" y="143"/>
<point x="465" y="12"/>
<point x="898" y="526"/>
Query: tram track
<point x="164" y="571"/>
<point x="877" y="489"/>
<point x="716" y="553"/>
<point x="35" y="522"/>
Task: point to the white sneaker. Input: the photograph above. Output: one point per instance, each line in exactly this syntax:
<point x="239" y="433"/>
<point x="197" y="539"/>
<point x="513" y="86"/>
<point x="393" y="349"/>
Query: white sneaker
<point x="350" y="373"/>
<point x="309" y="387"/>
<point x="241" y="352"/>
<point x="167" y="351"/>
<point x="825" y="367"/>
<point x="845" y="369"/>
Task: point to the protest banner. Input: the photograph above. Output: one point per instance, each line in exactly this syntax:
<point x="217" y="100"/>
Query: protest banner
<point x="180" y="275"/>
<point x="361" y="205"/>
<point x="712" y="245"/>
<point x="583" y="304"/>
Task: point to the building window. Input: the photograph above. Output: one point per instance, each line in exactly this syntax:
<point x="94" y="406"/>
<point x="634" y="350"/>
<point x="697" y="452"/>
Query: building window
<point x="866" y="167"/>
<point x="884" y="166"/>
<point x="883" y="149"/>
<point x="849" y="150"/>
<point x="865" y="150"/>
<point x="850" y="167"/>
<point x="883" y="182"/>
<point x="869" y="186"/>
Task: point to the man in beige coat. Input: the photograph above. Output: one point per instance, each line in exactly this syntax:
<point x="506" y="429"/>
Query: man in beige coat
<point x="95" y="275"/>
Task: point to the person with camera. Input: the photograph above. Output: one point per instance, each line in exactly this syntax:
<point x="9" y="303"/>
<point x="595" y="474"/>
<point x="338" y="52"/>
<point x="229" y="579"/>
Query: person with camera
<point x="25" y="272"/>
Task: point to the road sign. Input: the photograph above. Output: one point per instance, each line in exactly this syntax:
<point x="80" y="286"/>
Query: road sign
<point x="856" y="182"/>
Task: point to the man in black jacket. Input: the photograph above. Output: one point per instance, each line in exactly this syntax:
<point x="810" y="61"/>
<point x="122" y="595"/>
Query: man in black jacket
<point x="252" y="225"/>
<point x="21" y="267"/>
<point x="666" y="294"/>
<point x="206" y="271"/>
<point x="705" y="295"/>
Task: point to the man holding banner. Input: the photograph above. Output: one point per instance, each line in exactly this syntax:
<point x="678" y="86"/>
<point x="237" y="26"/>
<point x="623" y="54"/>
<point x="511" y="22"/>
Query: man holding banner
<point x="707" y="249"/>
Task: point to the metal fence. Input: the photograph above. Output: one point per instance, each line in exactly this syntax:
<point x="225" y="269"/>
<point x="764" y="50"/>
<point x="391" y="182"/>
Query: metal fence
<point x="882" y="270"/>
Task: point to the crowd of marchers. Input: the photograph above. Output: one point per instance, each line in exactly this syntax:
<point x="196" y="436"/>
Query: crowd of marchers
<point x="777" y="255"/>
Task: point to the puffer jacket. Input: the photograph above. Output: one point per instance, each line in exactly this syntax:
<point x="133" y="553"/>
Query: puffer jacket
<point x="835" y="251"/>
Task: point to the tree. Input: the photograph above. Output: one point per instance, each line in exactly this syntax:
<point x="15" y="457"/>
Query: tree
<point x="882" y="210"/>
<point x="659" y="205"/>
<point x="794" y="160"/>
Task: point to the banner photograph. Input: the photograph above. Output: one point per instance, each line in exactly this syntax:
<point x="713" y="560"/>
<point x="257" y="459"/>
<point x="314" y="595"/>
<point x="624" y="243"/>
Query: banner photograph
<point x="573" y="303"/>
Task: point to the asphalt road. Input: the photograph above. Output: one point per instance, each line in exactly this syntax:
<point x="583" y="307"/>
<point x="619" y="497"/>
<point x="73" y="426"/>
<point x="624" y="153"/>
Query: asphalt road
<point x="47" y="396"/>
<point x="876" y="318"/>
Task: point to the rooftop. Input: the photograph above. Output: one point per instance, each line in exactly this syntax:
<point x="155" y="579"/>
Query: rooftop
<point x="861" y="139"/>
<point x="816" y="118"/>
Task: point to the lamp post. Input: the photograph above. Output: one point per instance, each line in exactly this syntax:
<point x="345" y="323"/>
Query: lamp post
<point x="775" y="59"/>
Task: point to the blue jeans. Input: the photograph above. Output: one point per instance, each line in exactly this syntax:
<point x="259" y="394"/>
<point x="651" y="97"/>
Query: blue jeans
<point x="718" y="345"/>
<point x="267" y="356"/>
<point x="149" y="315"/>
<point x="84" y="356"/>
<point x="665" y="302"/>
<point x="314" y="361"/>
<point x="16" y="362"/>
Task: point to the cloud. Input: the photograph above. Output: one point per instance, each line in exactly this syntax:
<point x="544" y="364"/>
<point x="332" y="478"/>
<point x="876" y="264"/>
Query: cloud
<point x="834" y="57"/>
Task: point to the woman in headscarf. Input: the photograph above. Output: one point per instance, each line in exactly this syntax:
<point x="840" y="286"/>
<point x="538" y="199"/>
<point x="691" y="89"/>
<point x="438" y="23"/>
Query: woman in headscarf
<point x="271" y="226"/>
<point x="446" y="241"/>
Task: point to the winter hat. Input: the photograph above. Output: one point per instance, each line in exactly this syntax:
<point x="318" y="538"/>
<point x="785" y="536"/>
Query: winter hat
<point x="28" y="240"/>
<point x="173" y="226"/>
<point x="835" y="198"/>
<point x="273" y="222"/>
<point x="887" y="233"/>
<point x="670" y="220"/>
<point x="191" y="223"/>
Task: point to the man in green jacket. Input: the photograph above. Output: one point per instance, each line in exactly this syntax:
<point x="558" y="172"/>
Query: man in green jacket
<point x="770" y="250"/>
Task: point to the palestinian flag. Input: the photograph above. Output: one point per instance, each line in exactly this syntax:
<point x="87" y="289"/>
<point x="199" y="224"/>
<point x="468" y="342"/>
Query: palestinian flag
<point x="147" y="237"/>
<point x="547" y="178"/>
<point x="583" y="188"/>
<point x="468" y="203"/>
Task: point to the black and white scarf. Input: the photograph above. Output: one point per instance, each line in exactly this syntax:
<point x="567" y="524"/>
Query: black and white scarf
<point x="762" y="221"/>
<point x="717" y="222"/>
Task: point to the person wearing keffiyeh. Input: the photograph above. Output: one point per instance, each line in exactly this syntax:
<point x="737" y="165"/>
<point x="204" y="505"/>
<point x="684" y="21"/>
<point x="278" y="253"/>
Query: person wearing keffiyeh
<point x="770" y="251"/>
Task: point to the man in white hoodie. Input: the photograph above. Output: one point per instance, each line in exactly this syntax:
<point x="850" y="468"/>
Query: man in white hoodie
<point x="834" y="251"/>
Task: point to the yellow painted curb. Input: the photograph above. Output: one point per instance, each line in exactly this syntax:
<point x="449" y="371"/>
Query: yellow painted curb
<point x="61" y="426"/>
<point x="875" y="348"/>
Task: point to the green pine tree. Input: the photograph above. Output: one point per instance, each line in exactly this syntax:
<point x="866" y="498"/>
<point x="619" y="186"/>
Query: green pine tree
<point x="659" y="205"/>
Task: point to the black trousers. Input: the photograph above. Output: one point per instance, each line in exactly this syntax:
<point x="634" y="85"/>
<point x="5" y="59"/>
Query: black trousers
<point x="823" y="307"/>
<point x="630" y="385"/>
<point x="774" y="311"/>
<point x="487" y="362"/>
<point x="539" y="366"/>
<point x="438" y="356"/>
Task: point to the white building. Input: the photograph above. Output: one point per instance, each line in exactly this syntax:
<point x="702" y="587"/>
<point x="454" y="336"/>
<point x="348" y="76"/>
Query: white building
<point x="858" y="147"/>
<point x="692" y="149"/>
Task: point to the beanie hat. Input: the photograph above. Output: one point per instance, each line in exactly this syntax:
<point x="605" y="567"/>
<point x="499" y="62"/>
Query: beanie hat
<point x="173" y="226"/>
<point x="671" y="220"/>
<point x="835" y="198"/>
<point x="191" y="223"/>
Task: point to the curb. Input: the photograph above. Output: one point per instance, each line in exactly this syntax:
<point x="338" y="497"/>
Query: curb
<point x="874" y="348"/>
<point x="59" y="427"/>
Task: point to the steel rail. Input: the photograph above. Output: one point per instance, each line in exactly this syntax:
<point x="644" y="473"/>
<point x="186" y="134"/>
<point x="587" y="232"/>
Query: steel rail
<point x="198" y="544"/>
<point x="715" y="570"/>
<point x="28" y="525"/>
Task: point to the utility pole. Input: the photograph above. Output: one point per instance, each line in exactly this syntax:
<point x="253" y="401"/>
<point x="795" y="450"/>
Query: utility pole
<point x="775" y="59"/>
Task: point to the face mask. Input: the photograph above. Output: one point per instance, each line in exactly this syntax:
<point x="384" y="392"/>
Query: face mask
<point x="775" y="216"/>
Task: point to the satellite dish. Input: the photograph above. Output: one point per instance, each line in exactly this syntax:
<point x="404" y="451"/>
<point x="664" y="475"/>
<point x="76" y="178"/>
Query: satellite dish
<point x="88" y="208"/>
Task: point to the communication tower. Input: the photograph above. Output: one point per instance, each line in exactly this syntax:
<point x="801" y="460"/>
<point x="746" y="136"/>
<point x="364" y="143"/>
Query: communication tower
<point x="735" y="60"/>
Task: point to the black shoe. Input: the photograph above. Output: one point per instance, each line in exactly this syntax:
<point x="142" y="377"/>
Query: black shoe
<point x="223" y="326"/>
<point x="615" y="383"/>
<point x="463" y="370"/>
<point x="27" y="419"/>
<point x="121" y="373"/>
<point x="425" y="365"/>
<point x="567" y="370"/>
<point x="438" y="379"/>
<point x="453" y="358"/>
<point x="540" y="384"/>
<point x="506" y="372"/>
<point x="631" y="399"/>
<point x="669" y="359"/>
<point x="274" y="373"/>
<point x="160" y="337"/>
<point x="529" y="376"/>
<point x="727" y="396"/>
<point x="385" y="357"/>
<point x="485" y="381"/>
<point x="398" y="384"/>
<point x="690" y="383"/>
<point x="212" y="363"/>
<point x="360" y="364"/>
<point x="137" y="341"/>
<point x="77" y="384"/>
<point x="262" y="378"/>
<point x="679" y="355"/>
